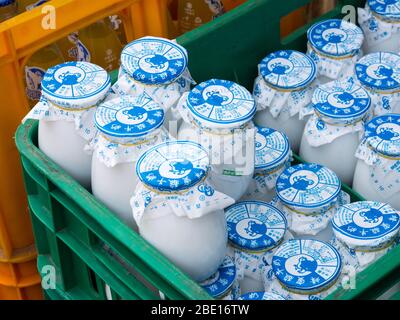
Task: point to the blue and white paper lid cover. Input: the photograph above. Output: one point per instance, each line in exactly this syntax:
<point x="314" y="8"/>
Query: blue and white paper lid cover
<point x="335" y="37"/>
<point x="272" y="148"/>
<point x="308" y="185"/>
<point x="306" y="265"/>
<point x="383" y="134"/>
<point x="261" y="296"/>
<point x="364" y="223"/>
<point x="221" y="282"/>
<point x="255" y="225"/>
<point x="379" y="71"/>
<point x="173" y="166"/>
<point x="129" y="116"/>
<point x="221" y="103"/>
<point x="288" y="69"/>
<point x="386" y="8"/>
<point x="76" y="84"/>
<point x="154" y="61"/>
<point x="341" y="101"/>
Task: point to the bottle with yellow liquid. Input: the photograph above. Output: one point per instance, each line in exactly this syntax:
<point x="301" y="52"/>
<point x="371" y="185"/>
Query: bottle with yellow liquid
<point x="8" y="9"/>
<point x="116" y="24"/>
<point x="194" y="13"/>
<point x="36" y="67"/>
<point x="99" y="44"/>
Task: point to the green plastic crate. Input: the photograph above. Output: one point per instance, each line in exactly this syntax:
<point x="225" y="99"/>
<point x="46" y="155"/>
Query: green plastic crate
<point x="89" y="247"/>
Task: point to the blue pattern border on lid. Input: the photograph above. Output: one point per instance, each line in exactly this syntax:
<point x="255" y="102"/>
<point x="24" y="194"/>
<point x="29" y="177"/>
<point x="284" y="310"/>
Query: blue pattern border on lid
<point x="221" y="102"/>
<point x="75" y="80"/>
<point x="154" y="61"/>
<point x="335" y="37"/>
<point x="221" y="282"/>
<point x="341" y="100"/>
<point x="255" y="225"/>
<point x="383" y="134"/>
<point x="386" y="8"/>
<point x="306" y="265"/>
<point x="307" y="185"/>
<point x="129" y="116"/>
<point x="272" y="148"/>
<point x="261" y="295"/>
<point x="173" y="166"/>
<point x="288" y="69"/>
<point x="379" y="71"/>
<point x="366" y="220"/>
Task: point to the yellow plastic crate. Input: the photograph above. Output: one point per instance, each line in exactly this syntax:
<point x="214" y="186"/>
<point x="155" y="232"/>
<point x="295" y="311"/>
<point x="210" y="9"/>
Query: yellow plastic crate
<point x="20" y="37"/>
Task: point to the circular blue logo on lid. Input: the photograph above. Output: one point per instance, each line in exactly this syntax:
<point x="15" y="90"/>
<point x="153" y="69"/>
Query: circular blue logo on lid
<point x="306" y="265"/>
<point x="386" y="8"/>
<point x="129" y="116"/>
<point x="288" y="69"/>
<point x="379" y="71"/>
<point x="341" y="100"/>
<point x="261" y="296"/>
<point x="308" y="185"/>
<point x="255" y="225"/>
<point x="75" y="80"/>
<point x="383" y="134"/>
<point x="335" y="37"/>
<point x="221" y="282"/>
<point x="221" y="102"/>
<point x="173" y="166"/>
<point x="364" y="221"/>
<point x="154" y="60"/>
<point x="272" y="148"/>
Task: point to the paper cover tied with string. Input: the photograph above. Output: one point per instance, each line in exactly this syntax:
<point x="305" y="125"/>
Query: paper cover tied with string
<point x="71" y="91"/>
<point x="157" y="67"/>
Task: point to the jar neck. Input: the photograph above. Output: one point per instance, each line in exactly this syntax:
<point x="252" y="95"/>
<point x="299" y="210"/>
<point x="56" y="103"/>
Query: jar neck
<point x="133" y="141"/>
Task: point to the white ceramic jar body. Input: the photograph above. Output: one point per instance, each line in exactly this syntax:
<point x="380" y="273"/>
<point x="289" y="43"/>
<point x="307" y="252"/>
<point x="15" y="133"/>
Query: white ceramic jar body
<point x="293" y="127"/>
<point x="382" y="32"/>
<point x="337" y="155"/>
<point x="114" y="186"/>
<point x="253" y="193"/>
<point x="366" y="189"/>
<point x="232" y="185"/>
<point x="197" y="246"/>
<point x="60" y="141"/>
<point x="248" y="284"/>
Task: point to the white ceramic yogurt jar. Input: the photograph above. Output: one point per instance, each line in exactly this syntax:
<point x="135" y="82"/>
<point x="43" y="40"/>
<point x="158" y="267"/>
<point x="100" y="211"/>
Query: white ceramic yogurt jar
<point x="70" y="93"/>
<point x="255" y="229"/>
<point x="365" y="230"/>
<point x="217" y="114"/>
<point x="158" y="67"/>
<point x="379" y="74"/>
<point x="309" y="194"/>
<point x="178" y="211"/>
<point x="272" y="156"/>
<point x="223" y="285"/>
<point x="336" y="127"/>
<point x="127" y="126"/>
<point x="377" y="174"/>
<point x="304" y="270"/>
<point x="335" y="46"/>
<point x="283" y="91"/>
<point x="380" y="21"/>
